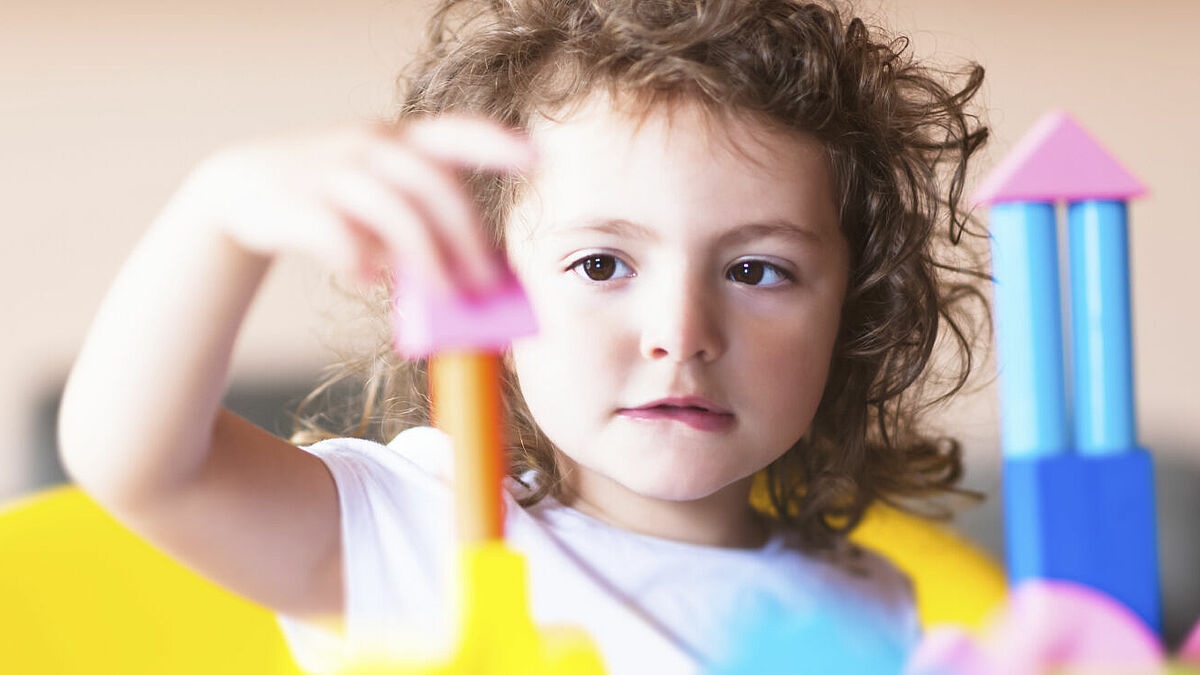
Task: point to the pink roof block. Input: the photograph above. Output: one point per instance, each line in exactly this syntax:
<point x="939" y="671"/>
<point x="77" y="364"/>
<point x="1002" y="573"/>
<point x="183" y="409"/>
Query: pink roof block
<point x="425" y="321"/>
<point x="1058" y="160"/>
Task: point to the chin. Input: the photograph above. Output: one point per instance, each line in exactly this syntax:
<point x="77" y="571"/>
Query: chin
<point x="672" y="486"/>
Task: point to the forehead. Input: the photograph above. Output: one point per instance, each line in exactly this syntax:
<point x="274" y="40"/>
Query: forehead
<point x="672" y="163"/>
<point x="679" y="124"/>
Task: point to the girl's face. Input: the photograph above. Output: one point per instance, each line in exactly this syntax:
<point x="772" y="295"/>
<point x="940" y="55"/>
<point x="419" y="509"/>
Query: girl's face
<point x="662" y="264"/>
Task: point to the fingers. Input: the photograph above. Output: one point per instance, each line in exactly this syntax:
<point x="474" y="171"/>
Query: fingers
<point x="471" y="143"/>
<point x="356" y="198"/>
<point x="436" y="195"/>
<point x="378" y="215"/>
<point x="425" y="214"/>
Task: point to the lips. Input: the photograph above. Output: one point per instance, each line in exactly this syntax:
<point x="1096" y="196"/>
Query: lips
<point x="696" y="412"/>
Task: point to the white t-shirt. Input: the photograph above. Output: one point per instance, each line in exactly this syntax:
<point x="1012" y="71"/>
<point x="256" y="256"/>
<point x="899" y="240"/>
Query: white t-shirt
<point x="650" y="604"/>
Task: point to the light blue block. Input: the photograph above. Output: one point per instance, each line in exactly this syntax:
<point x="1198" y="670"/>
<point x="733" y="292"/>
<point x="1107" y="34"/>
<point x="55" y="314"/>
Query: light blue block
<point x="1033" y="402"/>
<point x="1100" y="327"/>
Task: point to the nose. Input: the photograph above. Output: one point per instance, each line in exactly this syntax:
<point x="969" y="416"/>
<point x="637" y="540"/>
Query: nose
<point x="682" y="321"/>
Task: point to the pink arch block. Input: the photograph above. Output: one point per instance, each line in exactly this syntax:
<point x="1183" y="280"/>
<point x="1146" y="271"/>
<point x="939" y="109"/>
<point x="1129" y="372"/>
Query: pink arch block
<point x="425" y="320"/>
<point x="1058" y="160"/>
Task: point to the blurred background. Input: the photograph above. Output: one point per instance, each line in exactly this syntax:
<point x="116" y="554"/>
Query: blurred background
<point x="104" y="107"/>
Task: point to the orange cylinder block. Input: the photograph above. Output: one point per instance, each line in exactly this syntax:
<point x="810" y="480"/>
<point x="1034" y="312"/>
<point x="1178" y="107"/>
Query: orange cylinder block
<point x="465" y="388"/>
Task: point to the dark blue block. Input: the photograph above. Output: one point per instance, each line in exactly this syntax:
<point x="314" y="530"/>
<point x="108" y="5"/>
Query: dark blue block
<point x="1088" y="519"/>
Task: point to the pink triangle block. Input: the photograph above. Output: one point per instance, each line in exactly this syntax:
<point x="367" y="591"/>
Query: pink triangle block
<point x="1058" y="160"/>
<point x="425" y="321"/>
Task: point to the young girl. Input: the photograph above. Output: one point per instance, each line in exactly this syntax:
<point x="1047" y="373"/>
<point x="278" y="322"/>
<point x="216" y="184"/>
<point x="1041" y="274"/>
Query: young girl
<point x="725" y="214"/>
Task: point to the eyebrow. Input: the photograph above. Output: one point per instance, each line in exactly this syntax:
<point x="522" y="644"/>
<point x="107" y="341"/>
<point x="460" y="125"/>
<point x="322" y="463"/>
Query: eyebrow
<point x="776" y="227"/>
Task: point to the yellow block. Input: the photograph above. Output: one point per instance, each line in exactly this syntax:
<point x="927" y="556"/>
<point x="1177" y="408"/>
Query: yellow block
<point x="498" y="636"/>
<point x="81" y="594"/>
<point x="954" y="581"/>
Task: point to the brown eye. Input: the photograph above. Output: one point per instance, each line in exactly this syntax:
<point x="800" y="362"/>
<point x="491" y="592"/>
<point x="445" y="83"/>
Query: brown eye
<point x="747" y="273"/>
<point x="752" y="272"/>
<point x="600" y="267"/>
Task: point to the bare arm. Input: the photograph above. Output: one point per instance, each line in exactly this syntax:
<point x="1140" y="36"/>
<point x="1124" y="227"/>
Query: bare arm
<point x="140" y="429"/>
<point x="140" y="426"/>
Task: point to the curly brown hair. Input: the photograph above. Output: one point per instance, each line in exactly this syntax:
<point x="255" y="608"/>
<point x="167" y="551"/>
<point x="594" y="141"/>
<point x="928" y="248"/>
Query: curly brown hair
<point x="897" y="139"/>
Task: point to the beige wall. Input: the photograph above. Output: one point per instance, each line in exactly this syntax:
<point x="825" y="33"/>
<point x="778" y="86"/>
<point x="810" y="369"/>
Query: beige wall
<point x="104" y="106"/>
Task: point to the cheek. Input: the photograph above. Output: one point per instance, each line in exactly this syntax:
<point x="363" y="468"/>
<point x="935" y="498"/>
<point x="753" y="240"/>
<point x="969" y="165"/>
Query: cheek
<point x="787" y="364"/>
<point x="568" y="373"/>
<point x="575" y="332"/>
<point x="540" y="385"/>
<point x="789" y="370"/>
<point x="567" y="366"/>
<point x="533" y="360"/>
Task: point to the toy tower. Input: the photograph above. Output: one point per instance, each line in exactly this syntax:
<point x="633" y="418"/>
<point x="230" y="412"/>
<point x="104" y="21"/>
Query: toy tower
<point x="1078" y="491"/>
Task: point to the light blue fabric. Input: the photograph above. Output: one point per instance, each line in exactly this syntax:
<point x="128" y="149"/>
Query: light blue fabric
<point x="835" y="636"/>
